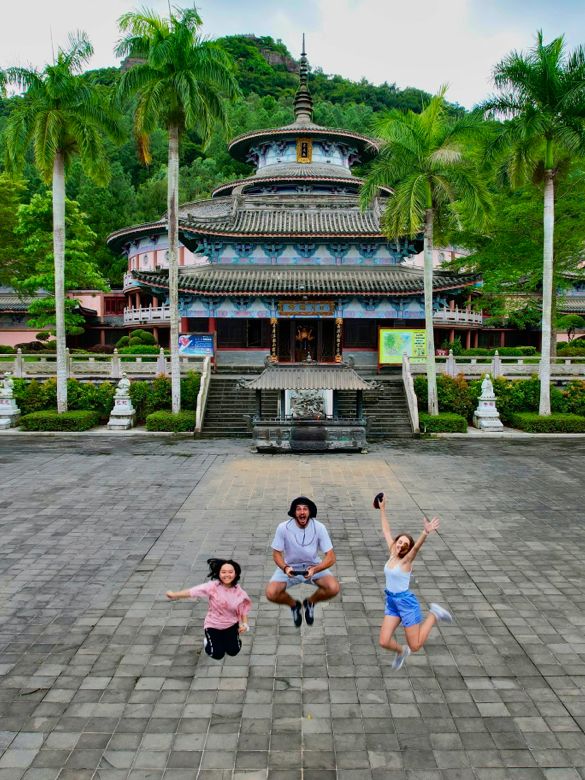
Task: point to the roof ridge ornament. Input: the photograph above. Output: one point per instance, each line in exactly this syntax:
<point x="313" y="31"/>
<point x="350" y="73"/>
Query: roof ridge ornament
<point x="303" y="104"/>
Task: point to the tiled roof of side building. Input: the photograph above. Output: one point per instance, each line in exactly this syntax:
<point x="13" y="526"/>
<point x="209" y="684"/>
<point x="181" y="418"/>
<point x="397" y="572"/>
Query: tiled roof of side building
<point x="309" y="377"/>
<point x="296" y="281"/>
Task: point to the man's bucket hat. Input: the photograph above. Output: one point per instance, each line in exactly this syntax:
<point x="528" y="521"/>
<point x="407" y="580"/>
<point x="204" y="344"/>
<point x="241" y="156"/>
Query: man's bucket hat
<point x="303" y="500"/>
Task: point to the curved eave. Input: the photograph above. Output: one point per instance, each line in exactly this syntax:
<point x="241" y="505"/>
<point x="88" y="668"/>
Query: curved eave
<point x="119" y="238"/>
<point x="253" y="181"/>
<point x="240" y="145"/>
<point x="159" y="283"/>
<point x="205" y="231"/>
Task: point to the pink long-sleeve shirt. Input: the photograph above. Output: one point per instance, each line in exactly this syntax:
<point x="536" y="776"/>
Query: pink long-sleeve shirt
<point x="226" y="605"/>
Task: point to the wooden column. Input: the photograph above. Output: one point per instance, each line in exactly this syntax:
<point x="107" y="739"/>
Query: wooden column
<point x="184" y="326"/>
<point x="502" y="338"/>
<point x="274" y="340"/>
<point x="476" y="338"/>
<point x="338" y="334"/>
<point x="468" y="340"/>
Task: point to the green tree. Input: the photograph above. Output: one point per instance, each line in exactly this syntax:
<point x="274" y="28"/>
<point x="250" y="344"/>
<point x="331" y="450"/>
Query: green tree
<point x="11" y="260"/>
<point x="34" y="227"/>
<point x="426" y="159"/>
<point x="61" y="114"/>
<point x="179" y="86"/>
<point x="542" y="94"/>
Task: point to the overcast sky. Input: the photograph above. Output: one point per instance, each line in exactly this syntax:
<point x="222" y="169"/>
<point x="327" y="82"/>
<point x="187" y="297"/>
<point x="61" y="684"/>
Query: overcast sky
<point x="418" y="43"/>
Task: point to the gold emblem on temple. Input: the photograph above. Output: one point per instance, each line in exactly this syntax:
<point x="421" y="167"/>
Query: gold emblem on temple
<point x="304" y="150"/>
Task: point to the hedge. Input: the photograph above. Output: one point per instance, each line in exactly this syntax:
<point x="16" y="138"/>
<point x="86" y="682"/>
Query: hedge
<point x="460" y="396"/>
<point x="53" y="421"/>
<point x="442" y="423"/>
<point x="555" y="423"/>
<point x="167" y="421"/>
<point x="147" y="397"/>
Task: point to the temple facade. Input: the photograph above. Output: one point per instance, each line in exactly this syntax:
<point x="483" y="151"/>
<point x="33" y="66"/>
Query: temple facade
<point x="285" y="262"/>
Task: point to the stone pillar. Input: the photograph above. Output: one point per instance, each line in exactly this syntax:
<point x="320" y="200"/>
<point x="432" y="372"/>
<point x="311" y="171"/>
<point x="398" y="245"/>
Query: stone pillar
<point x="468" y="340"/>
<point x="274" y="340"/>
<point x="338" y="334"/>
<point x="102" y="337"/>
<point x="19" y="364"/>
<point x="476" y="339"/>
<point x="502" y="338"/>
<point x="161" y="362"/>
<point x="115" y="366"/>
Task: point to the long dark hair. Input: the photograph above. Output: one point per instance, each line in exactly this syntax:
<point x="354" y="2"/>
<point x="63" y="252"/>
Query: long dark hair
<point x="410" y="541"/>
<point x="215" y="565"/>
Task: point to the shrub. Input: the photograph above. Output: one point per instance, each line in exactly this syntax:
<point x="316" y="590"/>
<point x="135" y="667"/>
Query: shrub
<point x="141" y="337"/>
<point x="190" y="390"/>
<point x="139" y="349"/>
<point x="31" y="346"/>
<point x="477" y="352"/>
<point x="167" y="421"/>
<point x="123" y="342"/>
<point x="52" y="421"/>
<point x="571" y="351"/>
<point x="44" y="335"/>
<point x="574" y="397"/>
<point x="6" y="350"/>
<point x="91" y="397"/>
<point x="35" y="396"/>
<point x="555" y="423"/>
<point x="454" y="394"/>
<point x="139" y="395"/>
<point x="442" y="423"/>
<point x="455" y="346"/>
<point x="515" y="351"/>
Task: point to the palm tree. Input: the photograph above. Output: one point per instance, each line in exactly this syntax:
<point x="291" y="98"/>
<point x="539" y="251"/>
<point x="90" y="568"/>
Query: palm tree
<point x="543" y="97"/>
<point x="179" y="86"/>
<point x="425" y="160"/>
<point x="61" y="114"/>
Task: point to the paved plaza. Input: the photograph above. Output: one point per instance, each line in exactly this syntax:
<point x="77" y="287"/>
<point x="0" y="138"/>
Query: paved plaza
<point x="101" y="677"/>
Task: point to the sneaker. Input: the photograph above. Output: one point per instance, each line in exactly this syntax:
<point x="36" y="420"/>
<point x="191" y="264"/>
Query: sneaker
<point x="297" y="614"/>
<point x="309" y="612"/>
<point x="398" y="662"/>
<point x="442" y="615"/>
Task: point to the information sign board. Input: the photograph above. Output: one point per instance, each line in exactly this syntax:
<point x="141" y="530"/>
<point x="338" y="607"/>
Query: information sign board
<point x="198" y="344"/>
<point x="393" y="343"/>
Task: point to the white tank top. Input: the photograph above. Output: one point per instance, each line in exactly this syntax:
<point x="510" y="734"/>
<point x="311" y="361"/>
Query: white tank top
<point x="397" y="580"/>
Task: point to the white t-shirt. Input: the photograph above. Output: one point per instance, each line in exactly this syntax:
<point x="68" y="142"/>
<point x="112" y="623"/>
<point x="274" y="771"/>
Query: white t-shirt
<point x="301" y="545"/>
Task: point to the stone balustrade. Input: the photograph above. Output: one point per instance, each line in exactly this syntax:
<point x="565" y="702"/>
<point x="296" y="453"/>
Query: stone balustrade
<point x="562" y="368"/>
<point x="457" y="316"/>
<point x="89" y="367"/>
<point x="146" y="314"/>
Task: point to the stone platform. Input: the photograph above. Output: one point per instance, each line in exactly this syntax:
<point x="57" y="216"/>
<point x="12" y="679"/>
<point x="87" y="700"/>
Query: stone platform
<point x="101" y="678"/>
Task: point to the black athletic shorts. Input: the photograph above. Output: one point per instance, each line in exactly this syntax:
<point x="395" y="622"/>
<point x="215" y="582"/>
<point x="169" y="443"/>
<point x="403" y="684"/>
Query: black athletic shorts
<point x="219" y="641"/>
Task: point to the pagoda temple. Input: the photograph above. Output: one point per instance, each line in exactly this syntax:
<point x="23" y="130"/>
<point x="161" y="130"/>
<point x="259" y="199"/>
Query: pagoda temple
<point x="285" y="262"/>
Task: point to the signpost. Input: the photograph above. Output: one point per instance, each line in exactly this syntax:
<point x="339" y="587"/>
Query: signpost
<point x="393" y="343"/>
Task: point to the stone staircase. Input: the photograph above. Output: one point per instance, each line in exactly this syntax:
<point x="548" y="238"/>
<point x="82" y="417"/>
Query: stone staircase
<point x="227" y="407"/>
<point x="228" y="404"/>
<point x="386" y="409"/>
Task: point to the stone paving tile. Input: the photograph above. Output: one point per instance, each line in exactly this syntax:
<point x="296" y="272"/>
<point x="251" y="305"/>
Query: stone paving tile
<point x="101" y="678"/>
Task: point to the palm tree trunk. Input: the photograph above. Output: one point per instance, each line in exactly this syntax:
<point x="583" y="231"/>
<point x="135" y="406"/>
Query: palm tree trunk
<point x="59" y="259"/>
<point x="433" y="402"/>
<point x="547" y="280"/>
<point x="173" y="233"/>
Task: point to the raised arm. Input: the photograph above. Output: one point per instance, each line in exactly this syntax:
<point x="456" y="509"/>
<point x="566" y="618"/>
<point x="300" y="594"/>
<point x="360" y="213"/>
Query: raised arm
<point x="428" y="527"/>
<point x="385" y="524"/>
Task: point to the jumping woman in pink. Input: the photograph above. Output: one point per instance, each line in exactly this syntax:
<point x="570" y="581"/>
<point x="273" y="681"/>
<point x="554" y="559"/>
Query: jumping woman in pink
<point x="229" y="604"/>
<point x="401" y="604"/>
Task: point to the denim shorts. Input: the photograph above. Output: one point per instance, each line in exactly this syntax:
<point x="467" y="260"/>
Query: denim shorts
<point x="405" y="606"/>
<point x="280" y="576"/>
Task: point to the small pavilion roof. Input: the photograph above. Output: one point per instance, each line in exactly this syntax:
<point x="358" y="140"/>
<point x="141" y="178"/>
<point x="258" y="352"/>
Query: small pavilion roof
<point x="309" y="376"/>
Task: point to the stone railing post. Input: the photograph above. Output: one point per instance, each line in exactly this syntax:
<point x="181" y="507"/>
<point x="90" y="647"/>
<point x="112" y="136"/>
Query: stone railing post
<point x="115" y="372"/>
<point x="496" y="365"/>
<point x="450" y="367"/>
<point x="161" y="362"/>
<point x="19" y="364"/>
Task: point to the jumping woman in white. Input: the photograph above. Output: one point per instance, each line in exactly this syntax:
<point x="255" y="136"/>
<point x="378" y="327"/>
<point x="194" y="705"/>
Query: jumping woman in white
<point x="401" y="604"/>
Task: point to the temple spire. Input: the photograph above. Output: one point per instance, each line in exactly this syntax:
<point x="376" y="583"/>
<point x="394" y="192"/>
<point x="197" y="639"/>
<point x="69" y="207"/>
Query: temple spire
<point x="303" y="100"/>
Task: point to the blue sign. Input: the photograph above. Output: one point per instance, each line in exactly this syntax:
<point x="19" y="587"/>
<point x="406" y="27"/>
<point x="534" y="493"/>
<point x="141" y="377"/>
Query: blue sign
<point x="199" y="344"/>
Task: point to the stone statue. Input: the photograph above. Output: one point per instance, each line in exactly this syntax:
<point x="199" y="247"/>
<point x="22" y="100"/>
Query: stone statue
<point x="487" y="388"/>
<point x="123" y="389"/>
<point x="7" y="389"/>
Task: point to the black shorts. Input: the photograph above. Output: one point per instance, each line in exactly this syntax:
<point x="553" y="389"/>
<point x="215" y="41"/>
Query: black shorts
<point x="219" y="641"/>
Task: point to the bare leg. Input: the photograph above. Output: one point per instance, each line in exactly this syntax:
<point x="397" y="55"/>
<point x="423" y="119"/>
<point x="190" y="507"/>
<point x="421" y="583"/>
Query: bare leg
<point x="417" y="635"/>
<point x="277" y="593"/>
<point x="327" y="588"/>
<point x="387" y="629"/>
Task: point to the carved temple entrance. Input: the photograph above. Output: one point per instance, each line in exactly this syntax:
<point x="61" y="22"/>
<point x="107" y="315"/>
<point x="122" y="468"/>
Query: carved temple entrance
<point x="296" y="339"/>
